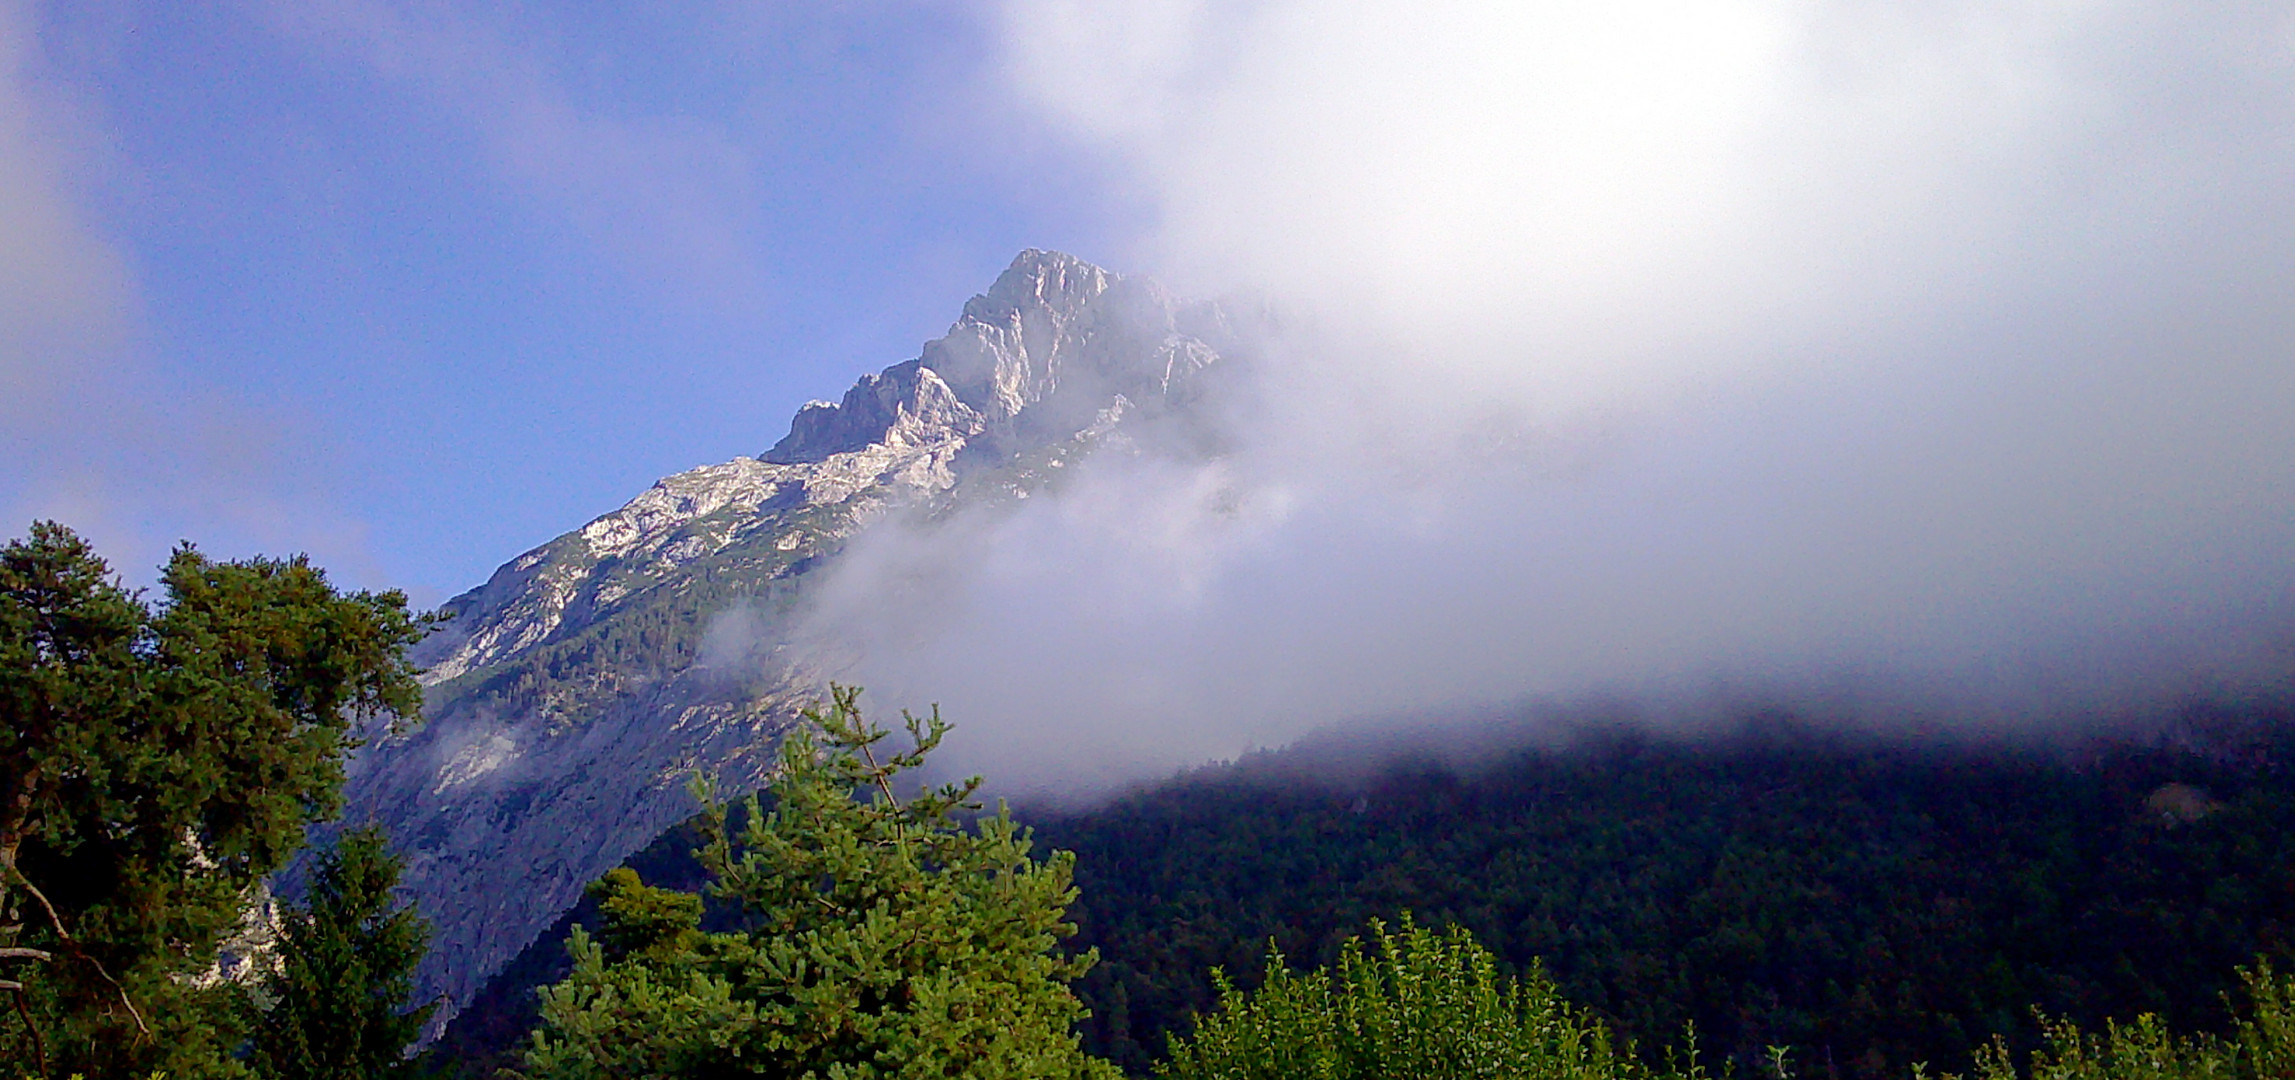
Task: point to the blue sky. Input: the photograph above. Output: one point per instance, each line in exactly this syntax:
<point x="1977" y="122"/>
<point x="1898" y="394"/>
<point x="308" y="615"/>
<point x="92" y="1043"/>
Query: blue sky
<point x="423" y="285"/>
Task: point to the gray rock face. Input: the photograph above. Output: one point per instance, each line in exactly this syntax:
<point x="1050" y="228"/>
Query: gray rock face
<point x="1036" y="356"/>
<point x="577" y="691"/>
<point x="906" y="405"/>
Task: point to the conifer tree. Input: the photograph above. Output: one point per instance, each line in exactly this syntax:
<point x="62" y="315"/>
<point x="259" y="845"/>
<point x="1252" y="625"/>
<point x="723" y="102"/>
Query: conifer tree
<point x="885" y="938"/>
<point x="156" y="764"/>
<point x="338" y="1005"/>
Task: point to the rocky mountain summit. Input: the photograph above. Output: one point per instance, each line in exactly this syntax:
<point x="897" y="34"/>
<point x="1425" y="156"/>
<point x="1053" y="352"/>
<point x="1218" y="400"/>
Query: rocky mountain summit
<point x="573" y="695"/>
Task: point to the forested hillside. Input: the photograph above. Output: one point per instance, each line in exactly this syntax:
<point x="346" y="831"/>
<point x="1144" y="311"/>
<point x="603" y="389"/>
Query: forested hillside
<point x="1868" y="903"/>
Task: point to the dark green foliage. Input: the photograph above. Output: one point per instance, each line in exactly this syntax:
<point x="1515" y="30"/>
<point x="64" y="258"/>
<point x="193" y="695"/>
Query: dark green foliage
<point x="1418" y="1004"/>
<point x="490" y="1033"/>
<point x="642" y="921"/>
<point x="883" y="938"/>
<point x="155" y="765"/>
<point x="1869" y="905"/>
<point x="338" y="1001"/>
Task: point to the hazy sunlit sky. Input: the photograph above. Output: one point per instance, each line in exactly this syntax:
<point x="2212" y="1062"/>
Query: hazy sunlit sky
<point x="1712" y="343"/>
<point x="414" y="287"/>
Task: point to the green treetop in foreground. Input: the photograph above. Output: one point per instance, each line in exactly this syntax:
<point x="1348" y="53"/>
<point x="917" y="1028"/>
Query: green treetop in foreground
<point x="884" y="938"/>
<point x="156" y="764"/>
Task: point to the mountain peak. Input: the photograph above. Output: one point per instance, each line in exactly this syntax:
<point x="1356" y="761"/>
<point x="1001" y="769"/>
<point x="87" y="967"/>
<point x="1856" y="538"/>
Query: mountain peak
<point x="1038" y="278"/>
<point x="1055" y="337"/>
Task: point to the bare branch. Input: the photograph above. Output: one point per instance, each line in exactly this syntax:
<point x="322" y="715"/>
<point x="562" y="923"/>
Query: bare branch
<point x="846" y="698"/>
<point x="39" y="1045"/>
<point x="54" y="919"/>
<point x="883" y="779"/>
<point x="57" y="921"/>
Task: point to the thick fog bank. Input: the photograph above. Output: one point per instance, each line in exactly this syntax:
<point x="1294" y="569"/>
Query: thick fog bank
<point x="1938" y="368"/>
<point x="2063" y="531"/>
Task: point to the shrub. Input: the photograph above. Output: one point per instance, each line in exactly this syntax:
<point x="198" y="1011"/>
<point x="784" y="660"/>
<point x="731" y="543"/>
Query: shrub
<point x="2262" y="1046"/>
<point x="1417" y="1004"/>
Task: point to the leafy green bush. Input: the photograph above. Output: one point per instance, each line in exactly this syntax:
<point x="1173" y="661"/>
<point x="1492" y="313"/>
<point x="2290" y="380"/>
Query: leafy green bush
<point x="1419" y="1004"/>
<point x="2261" y="1048"/>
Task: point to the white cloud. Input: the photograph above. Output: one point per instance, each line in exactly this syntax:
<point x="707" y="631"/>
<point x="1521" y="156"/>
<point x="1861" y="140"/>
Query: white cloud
<point x="60" y="285"/>
<point x="1588" y="197"/>
<point x="1940" y="353"/>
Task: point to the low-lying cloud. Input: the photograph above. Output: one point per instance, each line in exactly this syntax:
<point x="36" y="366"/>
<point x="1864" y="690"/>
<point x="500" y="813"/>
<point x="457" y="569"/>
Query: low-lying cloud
<point x="1931" y="360"/>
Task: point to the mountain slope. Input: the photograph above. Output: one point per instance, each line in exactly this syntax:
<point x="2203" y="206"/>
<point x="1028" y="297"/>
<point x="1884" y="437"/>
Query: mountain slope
<point x="575" y="692"/>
